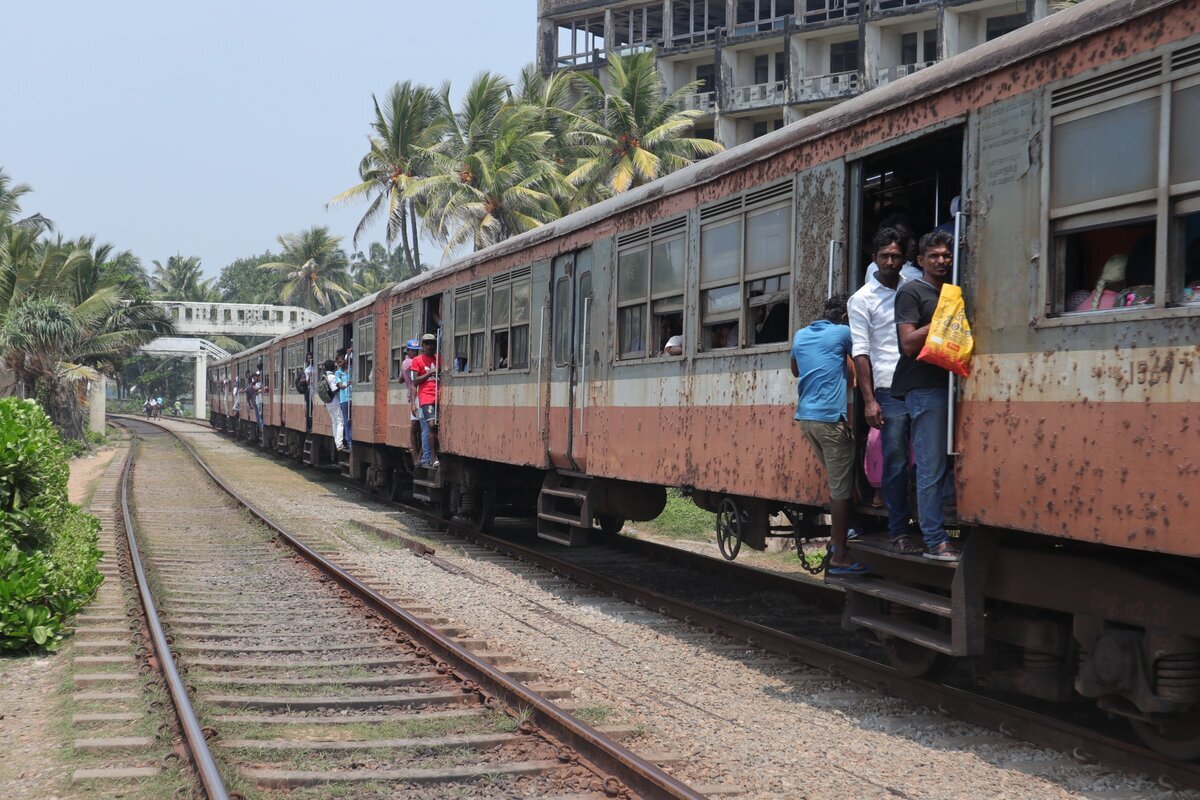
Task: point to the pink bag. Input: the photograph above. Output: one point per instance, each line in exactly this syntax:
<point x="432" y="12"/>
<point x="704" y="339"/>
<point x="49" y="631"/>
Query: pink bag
<point x="873" y="460"/>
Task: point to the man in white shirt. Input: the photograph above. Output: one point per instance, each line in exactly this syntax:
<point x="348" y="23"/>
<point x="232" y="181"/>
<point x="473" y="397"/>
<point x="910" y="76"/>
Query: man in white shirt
<point x="876" y="352"/>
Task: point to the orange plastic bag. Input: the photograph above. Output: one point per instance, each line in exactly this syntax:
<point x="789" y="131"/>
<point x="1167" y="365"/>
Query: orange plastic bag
<point x="949" y="344"/>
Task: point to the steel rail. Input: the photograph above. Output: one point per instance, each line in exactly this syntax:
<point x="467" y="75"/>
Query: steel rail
<point x="193" y="734"/>
<point x="594" y="749"/>
<point x="1081" y="743"/>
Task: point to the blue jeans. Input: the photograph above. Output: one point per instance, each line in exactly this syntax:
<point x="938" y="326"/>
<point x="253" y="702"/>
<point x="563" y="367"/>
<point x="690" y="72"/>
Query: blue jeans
<point x="894" y="484"/>
<point x="425" y="416"/>
<point x="929" y="412"/>
<point x="346" y="421"/>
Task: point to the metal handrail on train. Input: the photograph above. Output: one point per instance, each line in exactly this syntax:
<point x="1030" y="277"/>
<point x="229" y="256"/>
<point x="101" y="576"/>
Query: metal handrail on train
<point x="193" y="733"/>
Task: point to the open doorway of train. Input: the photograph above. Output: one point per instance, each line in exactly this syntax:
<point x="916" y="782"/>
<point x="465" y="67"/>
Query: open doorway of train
<point x="916" y="183"/>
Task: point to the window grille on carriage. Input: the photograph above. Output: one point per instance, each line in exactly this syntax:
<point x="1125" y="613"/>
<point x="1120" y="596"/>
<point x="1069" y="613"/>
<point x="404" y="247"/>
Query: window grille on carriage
<point x="470" y="327"/>
<point x="402" y="329"/>
<point x="650" y="283"/>
<point x="745" y="270"/>
<point x="364" y="350"/>
<point x="1129" y="238"/>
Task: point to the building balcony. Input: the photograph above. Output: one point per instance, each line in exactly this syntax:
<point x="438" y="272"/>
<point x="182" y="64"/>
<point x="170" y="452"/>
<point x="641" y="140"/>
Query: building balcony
<point x="891" y="5"/>
<point x="704" y="102"/>
<point x="888" y="74"/>
<point x="815" y="11"/>
<point x="760" y="26"/>
<point x="836" y="86"/>
<point x="694" y="38"/>
<point x="759" y="95"/>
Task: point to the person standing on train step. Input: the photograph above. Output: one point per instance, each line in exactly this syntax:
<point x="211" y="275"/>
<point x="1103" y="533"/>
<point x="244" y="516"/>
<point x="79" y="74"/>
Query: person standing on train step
<point x="310" y="388"/>
<point x="424" y="371"/>
<point x="412" y="350"/>
<point x="343" y="375"/>
<point x="872" y="311"/>
<point x="820" y="356"/>
<point x="924" y="389"/>
<point x="327" y="392"/>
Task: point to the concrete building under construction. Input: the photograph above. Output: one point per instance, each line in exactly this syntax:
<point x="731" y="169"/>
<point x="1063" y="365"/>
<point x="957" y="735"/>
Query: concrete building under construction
<point x="764" y="63"/>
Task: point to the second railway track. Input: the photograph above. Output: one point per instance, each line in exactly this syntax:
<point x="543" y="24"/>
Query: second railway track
<point x="306" y="680"/>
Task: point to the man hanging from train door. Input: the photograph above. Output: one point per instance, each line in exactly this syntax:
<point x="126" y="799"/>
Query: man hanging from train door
<point x="425" y="378"/>
<point x="925" y="390"/>
<point x="820" y="353"/>
<point x="876" y="353"/>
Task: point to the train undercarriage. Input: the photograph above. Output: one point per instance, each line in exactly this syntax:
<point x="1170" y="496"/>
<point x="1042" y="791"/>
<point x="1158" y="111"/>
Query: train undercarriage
<point x="1061" y="622"/>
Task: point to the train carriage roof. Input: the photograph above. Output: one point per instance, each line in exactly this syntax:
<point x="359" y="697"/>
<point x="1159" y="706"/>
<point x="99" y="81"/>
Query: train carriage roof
<point x="1055" y="30"/>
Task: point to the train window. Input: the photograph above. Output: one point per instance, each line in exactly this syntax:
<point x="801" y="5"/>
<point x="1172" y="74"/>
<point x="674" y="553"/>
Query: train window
<point x="562" y="322"/>
<point x="501" y="317"/>
<point x="632" y="275"/>
<point x="470" y="327"/>
<point x="745" y="271"/>
<point x="401" y="331"/>
<point x="582" y="332"/>
<point x="1117" y="246"/>
<point x="650" y="281"/>
<point x="510" y="320"/>
<point x="327" y="346"/>
<point x="364" y="351"/>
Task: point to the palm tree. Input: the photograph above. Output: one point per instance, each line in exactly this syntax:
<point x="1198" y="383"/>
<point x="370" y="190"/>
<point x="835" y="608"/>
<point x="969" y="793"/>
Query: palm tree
<point x="405" y="131"/>
<point x="182" y="278"/>
<point x="506" y="186"/>
<point x="312" y="269"/>
<point x="633" y="133"/>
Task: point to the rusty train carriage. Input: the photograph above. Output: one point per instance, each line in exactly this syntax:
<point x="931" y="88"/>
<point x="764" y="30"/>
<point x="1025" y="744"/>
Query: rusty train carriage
<point x="1078" y="436"/>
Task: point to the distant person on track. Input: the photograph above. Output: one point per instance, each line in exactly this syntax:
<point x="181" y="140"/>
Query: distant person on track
<point x="412" y="350"/>
<point x="820" y="363"/>
<point x="342" y="360"/>
<point x="872" y="311"/>
<point x="924" y="388"/>
<point x="327" y="391"/>
<point x="424" y="370"/>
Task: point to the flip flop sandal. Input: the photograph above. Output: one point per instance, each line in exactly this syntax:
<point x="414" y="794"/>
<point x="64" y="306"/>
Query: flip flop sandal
<point x="850" y="569"/>
<point x="906" y="546"/>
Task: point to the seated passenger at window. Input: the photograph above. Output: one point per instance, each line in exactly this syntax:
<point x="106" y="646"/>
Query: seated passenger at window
<point x="1191" y="276"/>
<point x="674" y="346"/>
<point x="1104" y="296"/>
<point x="771" y="323"/>
<point x="669" y="326"/>
<point x="724" y="336"/>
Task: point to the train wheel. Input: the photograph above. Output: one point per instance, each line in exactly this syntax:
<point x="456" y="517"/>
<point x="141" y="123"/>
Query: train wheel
<point x="483" y="517"/>
<point x="610" y="525"/>
<point x="1177" y="738"/>
<point x="729" y="528"/>
<point x="916" y="661"/>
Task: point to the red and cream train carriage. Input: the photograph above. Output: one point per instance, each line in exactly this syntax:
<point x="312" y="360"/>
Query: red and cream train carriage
<point x="1077" y="436"/>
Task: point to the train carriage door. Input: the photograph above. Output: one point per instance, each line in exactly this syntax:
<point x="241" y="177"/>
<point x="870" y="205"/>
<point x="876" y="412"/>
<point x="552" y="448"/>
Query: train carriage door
<point x="917" y="184"/>
<point x="568" y="307"/>
<point x="584" y="369"/>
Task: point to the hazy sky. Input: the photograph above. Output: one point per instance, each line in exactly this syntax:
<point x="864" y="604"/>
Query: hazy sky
<point x="208" y="128"/>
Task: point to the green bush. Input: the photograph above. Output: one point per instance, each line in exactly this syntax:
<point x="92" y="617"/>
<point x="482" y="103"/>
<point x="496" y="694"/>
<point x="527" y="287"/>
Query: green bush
<point x="48" y="547"/>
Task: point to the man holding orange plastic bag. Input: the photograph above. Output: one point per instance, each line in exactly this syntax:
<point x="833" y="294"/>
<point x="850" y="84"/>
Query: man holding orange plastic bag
<point x="924" y="383"/>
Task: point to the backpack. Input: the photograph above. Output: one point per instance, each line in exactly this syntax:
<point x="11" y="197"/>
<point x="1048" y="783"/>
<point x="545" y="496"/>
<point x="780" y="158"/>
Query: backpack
<point x="301" y="384"/>
<point x="324" y="392"/>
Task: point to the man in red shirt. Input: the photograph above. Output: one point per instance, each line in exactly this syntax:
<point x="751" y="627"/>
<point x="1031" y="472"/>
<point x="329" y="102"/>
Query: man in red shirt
<point x="424" y="376"/>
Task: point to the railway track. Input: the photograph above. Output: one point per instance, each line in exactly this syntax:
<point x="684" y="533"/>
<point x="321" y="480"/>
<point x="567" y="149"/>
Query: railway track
<point x="290" y="672"/>
<point x="757" y="619"/>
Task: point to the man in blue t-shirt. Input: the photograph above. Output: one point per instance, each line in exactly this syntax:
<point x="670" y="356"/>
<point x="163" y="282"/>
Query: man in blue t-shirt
<point x="821" y="365"/>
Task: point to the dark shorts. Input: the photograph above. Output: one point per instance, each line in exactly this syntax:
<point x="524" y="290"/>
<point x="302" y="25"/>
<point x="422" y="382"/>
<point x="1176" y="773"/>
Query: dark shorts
<point x="429" y="412"/>
<point x="834" y="444"/>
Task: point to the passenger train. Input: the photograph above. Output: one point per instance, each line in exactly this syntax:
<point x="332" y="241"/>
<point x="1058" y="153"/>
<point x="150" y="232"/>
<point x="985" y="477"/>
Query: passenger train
<point x="1076" y="437"/>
